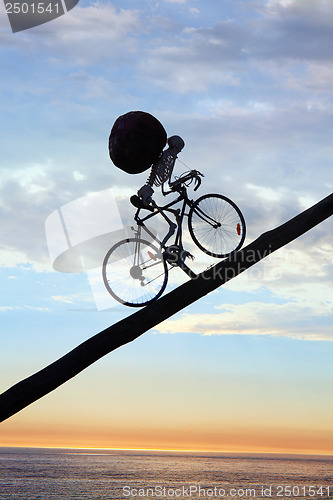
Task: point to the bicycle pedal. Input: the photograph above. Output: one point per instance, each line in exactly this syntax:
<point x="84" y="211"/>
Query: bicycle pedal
<point x="151" y="255"/>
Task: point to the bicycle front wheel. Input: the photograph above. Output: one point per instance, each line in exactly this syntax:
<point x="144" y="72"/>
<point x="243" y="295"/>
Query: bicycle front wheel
<point x="216" y="225"/>
<point x="135" y="272"/>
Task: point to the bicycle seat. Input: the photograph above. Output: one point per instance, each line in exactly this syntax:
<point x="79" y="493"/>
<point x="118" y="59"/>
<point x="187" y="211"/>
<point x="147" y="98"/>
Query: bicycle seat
<point x="138" y="203"/>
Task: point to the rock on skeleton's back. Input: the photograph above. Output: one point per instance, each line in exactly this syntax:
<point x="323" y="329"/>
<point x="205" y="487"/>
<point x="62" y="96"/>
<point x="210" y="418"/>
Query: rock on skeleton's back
<point x="136" y="141"/>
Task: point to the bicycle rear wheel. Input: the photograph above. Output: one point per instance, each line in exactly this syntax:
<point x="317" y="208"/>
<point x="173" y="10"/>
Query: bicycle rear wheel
<point x="216" y="225"/>
<point x="134" y="272"/>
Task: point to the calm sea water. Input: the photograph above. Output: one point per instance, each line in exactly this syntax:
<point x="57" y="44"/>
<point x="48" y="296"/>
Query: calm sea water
<point x="50" y="474"/>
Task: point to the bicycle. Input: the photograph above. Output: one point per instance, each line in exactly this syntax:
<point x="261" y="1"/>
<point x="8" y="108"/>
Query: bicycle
<point x="135" y="270"/>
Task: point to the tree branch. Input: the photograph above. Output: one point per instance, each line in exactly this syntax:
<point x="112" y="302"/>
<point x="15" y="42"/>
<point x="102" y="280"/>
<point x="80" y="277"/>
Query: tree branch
<point x="46" y="380"/>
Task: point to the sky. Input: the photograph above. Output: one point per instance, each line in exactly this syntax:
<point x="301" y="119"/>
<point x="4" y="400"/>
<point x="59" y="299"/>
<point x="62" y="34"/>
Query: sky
<point x="248" y="85"/>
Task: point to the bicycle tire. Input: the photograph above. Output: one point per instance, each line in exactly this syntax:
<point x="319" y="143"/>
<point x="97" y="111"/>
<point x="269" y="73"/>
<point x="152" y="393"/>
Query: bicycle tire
<point x="134" y="284"/>
<point x="216" y="241"/>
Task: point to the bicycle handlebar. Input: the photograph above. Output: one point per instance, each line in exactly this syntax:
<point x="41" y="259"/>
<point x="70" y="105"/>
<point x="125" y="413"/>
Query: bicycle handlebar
<point x="197" y="176"/>
<point x="193" y="174"/>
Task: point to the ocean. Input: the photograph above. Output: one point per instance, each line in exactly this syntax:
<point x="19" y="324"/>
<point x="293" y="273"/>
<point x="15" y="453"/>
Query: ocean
<point x="76" y="474"/>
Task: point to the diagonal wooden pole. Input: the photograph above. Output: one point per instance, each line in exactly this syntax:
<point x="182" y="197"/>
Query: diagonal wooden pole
<point x="46" y="380"/>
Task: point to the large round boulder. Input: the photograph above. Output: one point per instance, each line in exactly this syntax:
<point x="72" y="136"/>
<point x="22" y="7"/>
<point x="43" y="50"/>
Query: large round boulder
<point x="136" y="141"/>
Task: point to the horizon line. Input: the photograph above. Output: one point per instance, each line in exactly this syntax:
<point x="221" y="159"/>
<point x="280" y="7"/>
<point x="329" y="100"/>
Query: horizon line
<point x="221" y="452"/>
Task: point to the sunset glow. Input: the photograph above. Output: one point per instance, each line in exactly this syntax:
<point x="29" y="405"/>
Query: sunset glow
<point x="248" y="86"/>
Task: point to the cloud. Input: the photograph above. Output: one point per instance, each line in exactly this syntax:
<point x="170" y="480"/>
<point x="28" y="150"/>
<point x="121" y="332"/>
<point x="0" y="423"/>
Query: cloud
<point x="194" y="11"/>
<point x="296" y="29"/>
<point x="61" y="298"/>
<point x="222" y="55"/>
<point x="319" y="77"/>
<point x="23" y="308"/>
<point x="7" y="308"/>
<point x="289" y="294"/>
<point x="283" y="9"/>
<point x="257" y="124"/>
<point x="86" y="36"/>
<point x="179" y="69"/>
<point x="198" y="61"/>
<point x="258" y="318"/>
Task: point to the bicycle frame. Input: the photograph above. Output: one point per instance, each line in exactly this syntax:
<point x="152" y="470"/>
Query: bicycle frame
<point x="179" y="215"/>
